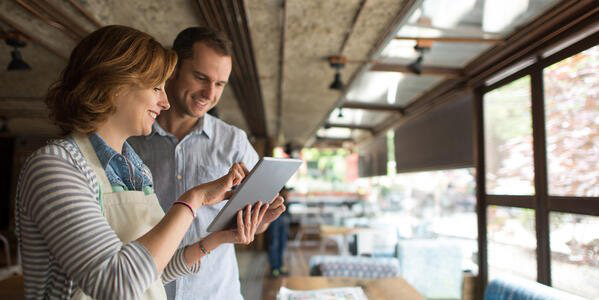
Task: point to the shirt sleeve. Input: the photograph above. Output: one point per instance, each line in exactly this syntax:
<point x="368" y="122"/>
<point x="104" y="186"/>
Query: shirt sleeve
<point x="56" y="196"/>
<point x="247" y="153"/>
<point x="177" y="267"/>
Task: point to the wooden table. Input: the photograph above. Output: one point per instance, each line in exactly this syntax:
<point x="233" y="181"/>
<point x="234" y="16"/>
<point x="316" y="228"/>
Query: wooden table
<point x="375" y="289"/>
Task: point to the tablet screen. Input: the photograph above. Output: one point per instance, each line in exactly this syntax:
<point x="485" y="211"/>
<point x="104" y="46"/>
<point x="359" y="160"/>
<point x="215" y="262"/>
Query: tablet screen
<point x="262" y="184"/>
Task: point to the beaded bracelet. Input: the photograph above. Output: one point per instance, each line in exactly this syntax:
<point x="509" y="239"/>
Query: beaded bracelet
<point x="206" y="252"/>
<point x="188" y="206"/>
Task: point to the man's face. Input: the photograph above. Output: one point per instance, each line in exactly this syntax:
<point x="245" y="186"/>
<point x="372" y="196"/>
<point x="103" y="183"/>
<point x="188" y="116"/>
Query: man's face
<point x="199" y="81"/>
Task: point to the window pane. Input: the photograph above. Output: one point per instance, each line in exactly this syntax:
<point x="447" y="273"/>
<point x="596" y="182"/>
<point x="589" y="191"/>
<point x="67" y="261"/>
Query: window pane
<point x="575" y="253"/>
<point x="511" y="242"/>
<point x="419" y="217"/>
<point x="572" y="124"/>
<point x="508" y="139"/>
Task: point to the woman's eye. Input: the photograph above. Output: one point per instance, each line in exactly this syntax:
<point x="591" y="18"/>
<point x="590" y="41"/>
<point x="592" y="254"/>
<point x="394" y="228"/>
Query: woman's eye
<point x="157" y="89"/>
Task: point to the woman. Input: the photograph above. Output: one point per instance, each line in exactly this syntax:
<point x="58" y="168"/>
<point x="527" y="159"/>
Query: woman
<point x="88" y="222"/>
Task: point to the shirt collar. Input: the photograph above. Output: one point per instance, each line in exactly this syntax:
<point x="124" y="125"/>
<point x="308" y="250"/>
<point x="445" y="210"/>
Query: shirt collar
<point x="204" y="125"/>
<point x="105" y="153"/>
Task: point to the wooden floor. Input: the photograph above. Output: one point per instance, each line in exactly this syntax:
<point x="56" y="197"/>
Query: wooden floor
<point x="12" y="288"/>
<point x="254" y="270"/>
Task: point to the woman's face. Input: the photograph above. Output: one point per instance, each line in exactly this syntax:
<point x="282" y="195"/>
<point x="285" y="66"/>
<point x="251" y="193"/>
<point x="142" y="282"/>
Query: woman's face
<point x="137" y="109"/>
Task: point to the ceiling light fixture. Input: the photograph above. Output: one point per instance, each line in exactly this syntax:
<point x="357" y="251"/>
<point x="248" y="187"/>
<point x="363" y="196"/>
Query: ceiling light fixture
<point x="16" y="63"/>
<point x="337" y="62"/>
<point x="416" y="66"/>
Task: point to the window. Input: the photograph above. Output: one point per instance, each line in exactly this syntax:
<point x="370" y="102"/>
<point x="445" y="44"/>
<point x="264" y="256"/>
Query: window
<point x="434" y="205"/>
<point x="575" y="253"/>
<point x="512" y="242"/>
<point x="569" y="101"/>
<point x="508" y="139"/>
<point x="572" y="124"/>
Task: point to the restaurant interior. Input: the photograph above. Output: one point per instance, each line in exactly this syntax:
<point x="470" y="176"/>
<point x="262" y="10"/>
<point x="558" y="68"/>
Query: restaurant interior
<point x="449" y="147"/>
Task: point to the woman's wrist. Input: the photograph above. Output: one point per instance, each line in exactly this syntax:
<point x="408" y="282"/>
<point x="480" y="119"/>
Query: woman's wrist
<point x="193" y="197"/>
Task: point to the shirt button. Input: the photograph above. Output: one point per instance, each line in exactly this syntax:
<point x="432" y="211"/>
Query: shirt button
<point x="179" y="177"/>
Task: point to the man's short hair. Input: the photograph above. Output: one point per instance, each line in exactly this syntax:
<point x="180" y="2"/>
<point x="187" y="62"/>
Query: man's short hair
<point x="212" y="38"/>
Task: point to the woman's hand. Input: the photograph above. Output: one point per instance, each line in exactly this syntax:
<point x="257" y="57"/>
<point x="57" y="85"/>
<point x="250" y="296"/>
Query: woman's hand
<point x="247" y="224"/>
<point x="217" y="190"/>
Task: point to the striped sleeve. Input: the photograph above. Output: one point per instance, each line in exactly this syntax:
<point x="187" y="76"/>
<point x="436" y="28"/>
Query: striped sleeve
<point x="177" y="267"/>
<point x="56" y="196"/>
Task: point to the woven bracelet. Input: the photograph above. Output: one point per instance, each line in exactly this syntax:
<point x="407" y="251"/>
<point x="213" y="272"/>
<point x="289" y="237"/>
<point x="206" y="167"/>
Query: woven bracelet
<point x="206" y="252"/>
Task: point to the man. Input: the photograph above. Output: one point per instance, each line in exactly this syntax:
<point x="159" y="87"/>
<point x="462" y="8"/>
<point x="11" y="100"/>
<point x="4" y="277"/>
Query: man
<point x="276" y="237"/>
<point x="188" y="147"/>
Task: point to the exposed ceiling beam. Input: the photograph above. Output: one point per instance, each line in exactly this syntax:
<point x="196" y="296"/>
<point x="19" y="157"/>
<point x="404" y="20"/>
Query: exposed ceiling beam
<point x="23" y="107"/>
<point x="350" y="126"/>
<point x="328" y="143"/>
<point x="458" y="30"/>
<point x="48" y="14"/>
<point x="324" y="138"/>
<point x="33" y="38"/>
<point x="321" y="141"/>
<point x="425" y="70"/>
<point x="527" y="41"/>
<point x="451" y="39"/>
<point x="351" y="27"/>
<point x="85" y="13"/>
<point x="230" y="17"/>
<point x="387" y="34"/>
<point x="562" y="17"/>
<point x="372" y="106"/>
<point x="281" y="66"/>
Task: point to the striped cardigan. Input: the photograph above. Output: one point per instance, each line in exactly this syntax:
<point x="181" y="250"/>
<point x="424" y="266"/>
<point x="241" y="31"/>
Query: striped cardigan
<point x="65" y="241"/>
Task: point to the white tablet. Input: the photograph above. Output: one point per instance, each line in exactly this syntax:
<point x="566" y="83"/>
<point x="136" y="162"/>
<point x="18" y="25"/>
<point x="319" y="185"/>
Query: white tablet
<point x="264" y="181"/>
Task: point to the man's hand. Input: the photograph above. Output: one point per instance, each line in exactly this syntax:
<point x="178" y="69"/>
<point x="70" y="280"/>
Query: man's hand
<point x="247" y="224"/>
<point x="275" y="210"/>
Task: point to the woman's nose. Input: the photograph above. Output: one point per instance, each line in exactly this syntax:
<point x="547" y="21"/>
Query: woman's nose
<point x="163" y="103"/>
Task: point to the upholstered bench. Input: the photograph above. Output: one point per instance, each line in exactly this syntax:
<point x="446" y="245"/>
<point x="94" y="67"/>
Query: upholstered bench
<point x="522" y="289"/>
<point x="353" y="266"/>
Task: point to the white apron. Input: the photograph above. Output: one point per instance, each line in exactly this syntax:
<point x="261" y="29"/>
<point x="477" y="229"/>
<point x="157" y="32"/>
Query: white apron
<point x="131" y="214"/>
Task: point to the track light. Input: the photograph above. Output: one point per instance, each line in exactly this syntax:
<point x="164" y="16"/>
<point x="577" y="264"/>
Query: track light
<point x="337" y="84"/>
<point x="16" y="63"/>
<point x="416" y="66"/>
<point x="337" y="62"/>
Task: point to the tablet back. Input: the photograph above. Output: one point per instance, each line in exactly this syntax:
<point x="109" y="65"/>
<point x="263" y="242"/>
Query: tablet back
<point x="264" y="181"/>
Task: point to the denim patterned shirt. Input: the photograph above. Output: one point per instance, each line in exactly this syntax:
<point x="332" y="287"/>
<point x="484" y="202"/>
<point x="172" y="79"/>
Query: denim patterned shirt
<point x="125" y="172"/>
<point x="203" y="155"/>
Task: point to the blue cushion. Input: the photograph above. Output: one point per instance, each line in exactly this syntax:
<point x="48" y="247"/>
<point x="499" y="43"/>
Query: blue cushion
<point x="522" y="289"/>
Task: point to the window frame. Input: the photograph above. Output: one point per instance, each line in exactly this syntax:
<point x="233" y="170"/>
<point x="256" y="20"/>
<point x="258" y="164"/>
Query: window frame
<point x="541" y="202"/>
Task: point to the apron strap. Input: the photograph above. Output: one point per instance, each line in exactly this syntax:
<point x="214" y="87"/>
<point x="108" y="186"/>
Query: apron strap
<point x="87" y="150"/>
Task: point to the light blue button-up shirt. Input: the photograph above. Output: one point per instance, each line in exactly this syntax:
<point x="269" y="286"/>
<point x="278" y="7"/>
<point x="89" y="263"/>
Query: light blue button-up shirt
<point x="125" y="172"/>
<point x="205" y="154"/>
